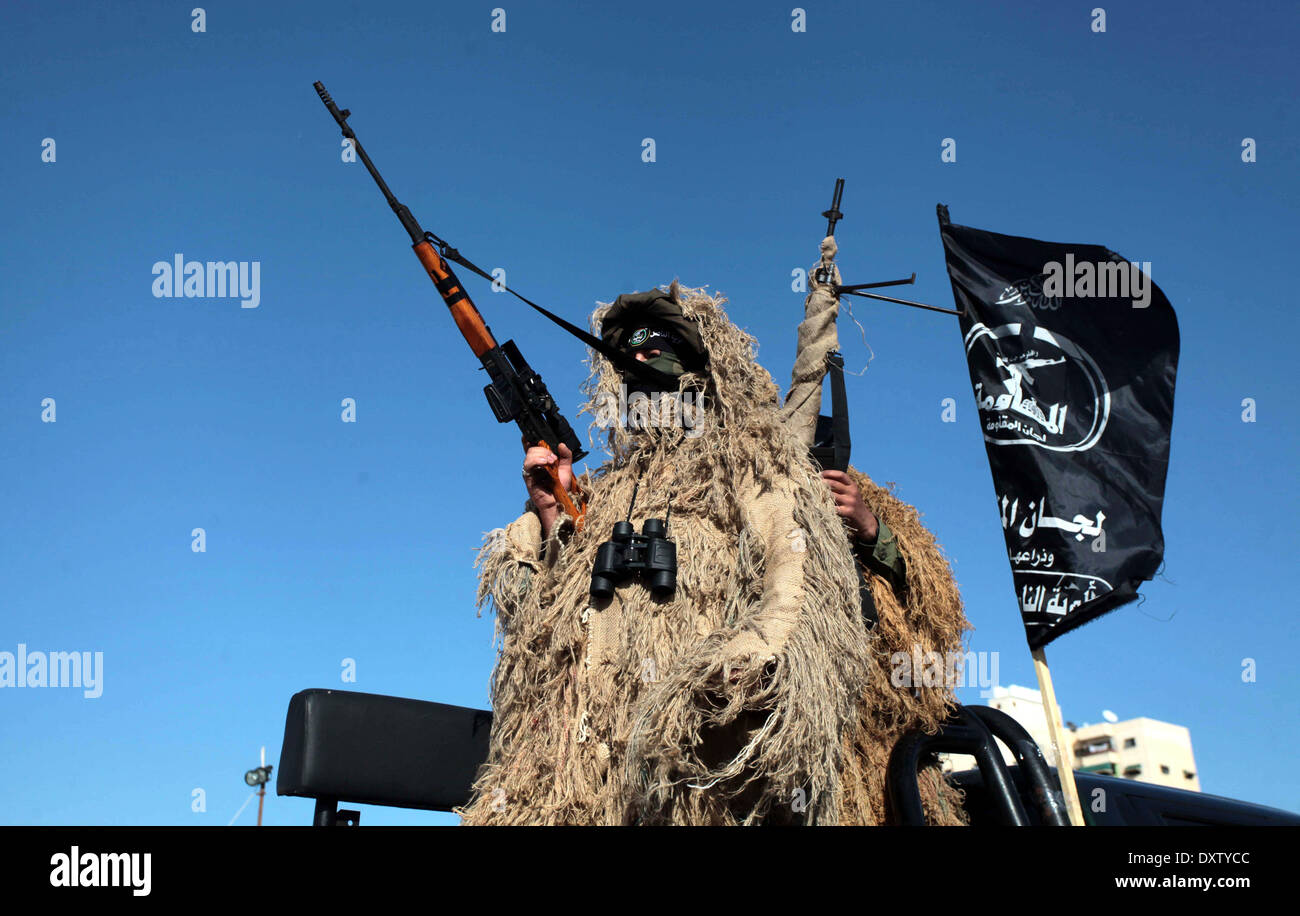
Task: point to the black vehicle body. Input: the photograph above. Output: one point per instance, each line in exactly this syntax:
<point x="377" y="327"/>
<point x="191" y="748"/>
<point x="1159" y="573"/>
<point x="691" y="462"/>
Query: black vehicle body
<point x="344" y="746"/>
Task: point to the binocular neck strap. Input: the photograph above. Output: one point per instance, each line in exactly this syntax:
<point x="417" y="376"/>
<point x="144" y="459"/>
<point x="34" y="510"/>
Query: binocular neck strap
<point x="636" y="486"/>
<point x="668" y="513"/>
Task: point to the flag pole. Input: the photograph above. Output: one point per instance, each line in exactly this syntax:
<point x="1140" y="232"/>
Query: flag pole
<point x="1064" y="753"/>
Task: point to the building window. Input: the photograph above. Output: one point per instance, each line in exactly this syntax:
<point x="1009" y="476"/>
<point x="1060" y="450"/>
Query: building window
<point x="1133" y="771"/>
<point x="1188" y="774"/>
<point x="1164" y="769"/>
<point x="1130" y="742"/>
<point x="1095" y="746"/>
<point x="1101" y="769"/>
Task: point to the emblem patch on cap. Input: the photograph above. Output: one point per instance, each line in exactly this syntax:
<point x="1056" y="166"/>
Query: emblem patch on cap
<point x="638" y="337"/>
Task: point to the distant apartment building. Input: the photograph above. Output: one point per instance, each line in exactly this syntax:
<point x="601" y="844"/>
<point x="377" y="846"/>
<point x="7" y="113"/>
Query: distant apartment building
<point x="1143" y="749"/>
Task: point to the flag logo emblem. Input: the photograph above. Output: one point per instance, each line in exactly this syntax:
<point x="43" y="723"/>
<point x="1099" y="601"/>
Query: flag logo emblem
<point x="1036" y="387"/>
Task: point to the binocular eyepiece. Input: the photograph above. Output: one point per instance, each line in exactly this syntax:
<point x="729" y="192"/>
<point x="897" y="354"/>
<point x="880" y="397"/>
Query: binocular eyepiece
<point x="627" y="554"/>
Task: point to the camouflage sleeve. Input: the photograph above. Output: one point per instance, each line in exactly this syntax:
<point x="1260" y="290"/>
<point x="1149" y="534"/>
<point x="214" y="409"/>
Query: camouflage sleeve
<point x="883" y="557"/>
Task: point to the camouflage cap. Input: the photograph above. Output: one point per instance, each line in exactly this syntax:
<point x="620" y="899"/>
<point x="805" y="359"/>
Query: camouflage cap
<point x="653" y="308"/>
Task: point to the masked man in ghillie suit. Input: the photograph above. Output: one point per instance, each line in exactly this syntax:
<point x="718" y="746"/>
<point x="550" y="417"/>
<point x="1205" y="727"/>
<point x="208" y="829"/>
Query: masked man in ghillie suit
<point x="740" y="694"/>
<point x="909" y="598"/>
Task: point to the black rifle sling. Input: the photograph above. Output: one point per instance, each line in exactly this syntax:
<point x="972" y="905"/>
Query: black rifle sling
<point x="839" y="411"/>
<point x="624" y="361"/>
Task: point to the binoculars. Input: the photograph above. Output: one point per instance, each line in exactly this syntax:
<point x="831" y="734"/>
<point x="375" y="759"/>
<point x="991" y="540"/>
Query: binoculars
<point x="627" y="554"/>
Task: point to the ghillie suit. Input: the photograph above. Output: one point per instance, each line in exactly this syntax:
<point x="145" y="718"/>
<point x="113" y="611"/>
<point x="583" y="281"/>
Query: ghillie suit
<point x="629" y="711"/>
<point x="735" y="699"/>
<point x="920" y="618"/>
<point x="927" y="623"/>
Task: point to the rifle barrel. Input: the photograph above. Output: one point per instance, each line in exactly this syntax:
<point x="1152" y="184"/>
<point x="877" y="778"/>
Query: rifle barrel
<point x="409" y="223"/>
<point x="525" y="400"/>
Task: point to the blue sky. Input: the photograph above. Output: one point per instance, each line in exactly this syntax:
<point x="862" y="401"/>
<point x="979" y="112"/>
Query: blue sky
<point x="328" y="540"/>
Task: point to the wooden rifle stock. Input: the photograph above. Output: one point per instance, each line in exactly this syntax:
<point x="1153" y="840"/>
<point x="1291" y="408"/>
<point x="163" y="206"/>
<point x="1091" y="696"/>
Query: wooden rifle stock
<point x="467" y="317"/>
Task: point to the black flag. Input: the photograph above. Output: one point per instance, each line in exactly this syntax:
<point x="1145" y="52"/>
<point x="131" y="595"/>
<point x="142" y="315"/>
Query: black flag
<point x="1072" y="352"/>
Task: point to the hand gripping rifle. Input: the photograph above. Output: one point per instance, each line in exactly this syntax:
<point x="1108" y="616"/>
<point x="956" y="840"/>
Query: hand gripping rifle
<point x="516" y="392"/>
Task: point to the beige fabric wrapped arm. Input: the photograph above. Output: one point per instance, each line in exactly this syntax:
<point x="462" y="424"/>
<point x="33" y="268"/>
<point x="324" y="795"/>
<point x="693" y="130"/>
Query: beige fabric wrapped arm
<point x="818" y="337"/>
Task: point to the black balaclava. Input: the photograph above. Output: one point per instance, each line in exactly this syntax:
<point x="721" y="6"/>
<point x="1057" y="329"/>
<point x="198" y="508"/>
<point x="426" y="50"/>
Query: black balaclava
<point x="653" y="320"/>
